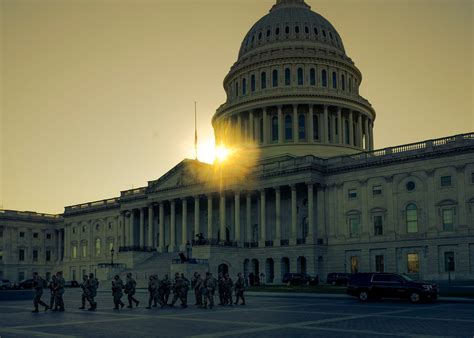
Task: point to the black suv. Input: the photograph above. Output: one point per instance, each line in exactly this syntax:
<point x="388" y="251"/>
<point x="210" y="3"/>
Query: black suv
<point x="338" y="278"/>
<point x="299" y="279"/>
<point x="389" y="285"/>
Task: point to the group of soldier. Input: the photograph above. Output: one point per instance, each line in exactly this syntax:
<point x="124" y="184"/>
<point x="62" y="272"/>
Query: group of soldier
<point x="56" y="287"/>
<point x="159" y="291"/>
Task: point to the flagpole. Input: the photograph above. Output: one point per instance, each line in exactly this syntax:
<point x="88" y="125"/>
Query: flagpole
<point x="195" y="132"/>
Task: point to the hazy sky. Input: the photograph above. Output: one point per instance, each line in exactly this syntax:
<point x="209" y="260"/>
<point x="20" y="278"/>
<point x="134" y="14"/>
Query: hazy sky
<point x="98" y="96"/>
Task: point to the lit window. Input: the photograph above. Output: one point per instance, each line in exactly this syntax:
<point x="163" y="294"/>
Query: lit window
<point x="377" y="190"/>
<point x="274" y="128"/>
<point x="275" y="78"/>
<point x="413" y="263"/>
<point x="97" y="247"/>
<point x="111" y="246"/>
<point x="21" y="255"/>
<point x="35" y="255"/>
<point x="354" y="264"/>
<point x="445" y="181"/>
<point x="352" y="193"/>
<point x="378" y="225"/>
<point x="288" y="128"/>
<point x="412" y="218"/>
<point x="252" y="83"/>
<point x="74" y="251"/>
<point x="334" y="80"/>
<point x="449" y="261"/>
<point x="263" y="80"/>
<point x="324" y="78"/>
<point x="315" y="127"/>
<point x="448" y="219"/>
<point x="312" y="77"/>
<point x="84" y="250"/>
<point x="287" y="77"/>
<point x="300" y="76"/>
<point x="301" y="127"/>
<point x="354" y="226"/>
<point x="379" y="264"/>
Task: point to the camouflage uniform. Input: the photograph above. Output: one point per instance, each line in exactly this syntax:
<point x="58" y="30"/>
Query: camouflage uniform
<point x="179" y="291"/>
<point x="85" y="292"/>
<point x="208" y="288"/>
<point x="117" y="286"/>
<point x="59" y="291"/>
<point x="166" y="288"/>
<point x="38" y="284"/>
<point x="196" y="282"/>
<point x="154" y="296"/>
<point x="239" y="289"/>
<point x="51" y="287"/>
<point x="130" y="290"/>
<point x="92" y="286"/>
<point x="228" y="288"/>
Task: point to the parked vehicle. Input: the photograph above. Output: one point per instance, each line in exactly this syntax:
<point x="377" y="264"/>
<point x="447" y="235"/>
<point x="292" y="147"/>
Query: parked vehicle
<point x="299" y="279"/>
<point x="338" y="278"/>
<point x="5" y="284"/>
<point x="71" y="284"/>
<point x="373" y="285"/>
<point x="25" y="284"/>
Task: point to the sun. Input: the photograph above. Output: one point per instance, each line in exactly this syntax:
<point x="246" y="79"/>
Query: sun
<point x="221" y="153"/>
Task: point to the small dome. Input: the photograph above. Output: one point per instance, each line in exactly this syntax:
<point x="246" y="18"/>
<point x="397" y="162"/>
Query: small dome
<point x="290" y="20"/>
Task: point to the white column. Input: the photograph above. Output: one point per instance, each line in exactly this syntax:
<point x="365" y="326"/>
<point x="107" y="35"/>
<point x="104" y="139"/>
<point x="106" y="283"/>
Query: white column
<point x="252" y="131"/>
<point x="248" y="232"/>
<point x="295" y="123"/>
<point x="321" y="210"/>
<point x="209" y="217"/>
<point x="60" y="244"/>
<point x="371" y="135"/>
<point x="359" y="130"/>
<point x="324" y="128"/>
<point x="150" y="227"/>
<point x="310" y="237"/>
<point x="339" y="126"/>
<point x="263" y="228"/>
<point x="237" y="216"/>
<point x="351" y="128"/>
<point x="222" y="221"/>
<point x="277" y="240"/>
<point x="172" y="245"/>
<point x="293" y="233"/>
<point x="184" y="224"/>
<point x="310" y="137"/>
<point x="142" y="227"/>
<point x="280" y="125"/>
<point x="162" y="227"/>
<point x="366" y="127"/>
<point x="197" y="228"/>
<point x="265" y="125"/>
<point x="132" y="228"/>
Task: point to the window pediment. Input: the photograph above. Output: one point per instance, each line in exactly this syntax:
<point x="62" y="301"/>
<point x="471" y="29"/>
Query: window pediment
<point x="446" y="202"/>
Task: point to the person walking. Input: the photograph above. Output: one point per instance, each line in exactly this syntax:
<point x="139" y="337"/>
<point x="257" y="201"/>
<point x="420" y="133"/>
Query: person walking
<point x="117" y="286"/>
<point x="51" y="287"/>
<point x="130" y="289"/>
<point x="92" y="286"/>
<point x="239" y="289"/>
<point x="196" y="285"/>
<point x="38" y="285"/>
<point x="59" y="292"/>
<point x="85" y="291"/>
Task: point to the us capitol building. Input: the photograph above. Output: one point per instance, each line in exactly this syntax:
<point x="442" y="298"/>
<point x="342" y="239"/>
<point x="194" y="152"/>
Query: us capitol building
<point x="302" y="190"/>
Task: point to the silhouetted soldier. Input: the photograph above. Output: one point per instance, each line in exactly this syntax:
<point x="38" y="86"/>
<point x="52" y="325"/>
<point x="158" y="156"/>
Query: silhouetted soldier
<point x="130" y="288"/>
<point x="117" y="286"/>
<point x="38" y="285"/>
<point x="239" y="289"/>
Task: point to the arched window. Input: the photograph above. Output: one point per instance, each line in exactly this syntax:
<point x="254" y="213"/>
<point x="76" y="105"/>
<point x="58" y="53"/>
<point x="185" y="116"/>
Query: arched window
<point x="343" y="82"/>
<point x="297" y="29"/>
<point x="97" y="247"/>
<point x="277" y="31"/>
<point x="260" y="35"/>
<point x="263" y="80"/>
<point x="316" y="31"/>
<point x="268" y="33"/>
<point x="324" y="33"/>
<point x="287" y="30"/>
<point x="236" y="89"/>
<point x="287" y="76"/>
<point x="350" y="84"/>
<point x="300" y="76"/>
<point x="244" y="86"/>
<point x="275" y="78"/>
<point x="288" y="128"/>
<point x="346" y="132"/>
<point x="301" y="127"/>
<point x="261" y="130"/>
<point x="324" y="78"/>
<point x="412" y="218"/>
<point x="252" y="83"/>
<point x="315" y="127"/>
<point x="334" y="80"/>
<point x="306" y="29"/>
<point x="312" y="77"/>
<point x="274" y="128"/>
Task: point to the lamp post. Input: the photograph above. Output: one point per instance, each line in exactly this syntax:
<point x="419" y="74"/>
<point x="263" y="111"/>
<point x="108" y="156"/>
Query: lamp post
<point x="112" y="251"/>
<point x="188" y="250"/>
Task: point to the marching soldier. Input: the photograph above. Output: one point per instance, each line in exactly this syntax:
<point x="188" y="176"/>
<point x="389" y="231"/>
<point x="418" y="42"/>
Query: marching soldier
<point x="117" y="286"/>
<point x="92" y="286"/>
<point x="85" y="291"/>
<point x="166" y="288"/>
<point x="59" y="291"/>
<point x="208" y="289"/>
<point x="179" y="291"/>
<point x="196" y="285"/>
<point x="51" y="287"/>
<point x="239" y="289"/>
<point x="228" y="288"/>
<point x="153" y="291"/>
<point x="130" y="288"/>
<point x="38" y="284"/>
<point x="186" y="283"/>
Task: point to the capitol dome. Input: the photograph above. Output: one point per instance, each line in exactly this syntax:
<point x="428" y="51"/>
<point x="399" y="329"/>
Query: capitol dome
<point x="293" y="91"/>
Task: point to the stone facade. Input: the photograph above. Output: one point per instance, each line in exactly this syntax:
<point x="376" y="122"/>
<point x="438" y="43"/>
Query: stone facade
<point x="304" y="190"/>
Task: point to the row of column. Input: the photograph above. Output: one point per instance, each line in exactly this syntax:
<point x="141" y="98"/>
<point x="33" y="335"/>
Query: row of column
<point x="130" y="240"/>
<point x="342" y="126"/>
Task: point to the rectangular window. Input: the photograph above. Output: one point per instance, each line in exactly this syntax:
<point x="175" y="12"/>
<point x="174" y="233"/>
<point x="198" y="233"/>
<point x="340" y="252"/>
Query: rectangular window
<point x="354" y="226"/>
<point x="378" y="225"/>
<point x="354" y="264"/>
<point x="22" y="234"/>
<point x="448" y="219"/>
<point x="35" y="255"/>
<point x="35" y="235"/>
<point x="84" y="251"/>
<point x="449" y="261"/>
<point x="377" y="190"/>
<point x="21" y="276"/>
<point x="379" y="266"/>
<point x="413" y="263"/>
<point x="48" y="256"/>
<point x="48" y="236"/>
<point x="445" y="181"/>
<point x="21" y="255"/>
<point x="74" y="252"/>
<point x="352" y="193"/>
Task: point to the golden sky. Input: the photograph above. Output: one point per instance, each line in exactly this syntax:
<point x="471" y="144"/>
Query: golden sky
<point x="98" y="96"/>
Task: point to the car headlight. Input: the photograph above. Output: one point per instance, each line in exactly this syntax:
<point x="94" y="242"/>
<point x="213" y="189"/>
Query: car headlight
<point x="427" y="287"/>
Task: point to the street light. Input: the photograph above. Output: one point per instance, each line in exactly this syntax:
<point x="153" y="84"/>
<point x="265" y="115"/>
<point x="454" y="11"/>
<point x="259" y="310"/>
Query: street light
<point x="112" y="251"/>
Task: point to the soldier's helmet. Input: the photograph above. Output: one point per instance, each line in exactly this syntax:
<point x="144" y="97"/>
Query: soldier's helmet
<point x="226" y="275"/>
<point x="151" y="277"/>
<point x="117" y="277"/>
<point x="177" y="274"/>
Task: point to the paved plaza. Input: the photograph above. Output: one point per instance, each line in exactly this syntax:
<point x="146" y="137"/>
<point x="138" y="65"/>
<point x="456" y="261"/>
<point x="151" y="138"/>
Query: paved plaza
<point x="261" y="317"/>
